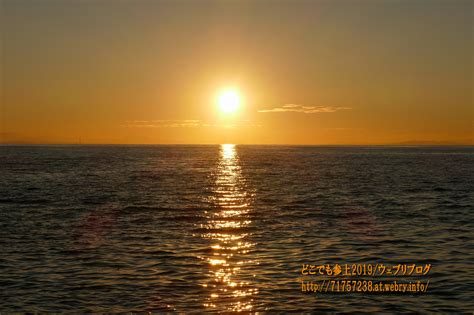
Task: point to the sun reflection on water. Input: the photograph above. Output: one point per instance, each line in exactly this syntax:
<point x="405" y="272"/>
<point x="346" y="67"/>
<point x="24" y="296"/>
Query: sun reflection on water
<point x="230" y="288"/>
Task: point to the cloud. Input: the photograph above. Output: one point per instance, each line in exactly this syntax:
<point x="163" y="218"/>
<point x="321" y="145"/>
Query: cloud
<point x="186" y="123"/>
<point x="296" y="108"/>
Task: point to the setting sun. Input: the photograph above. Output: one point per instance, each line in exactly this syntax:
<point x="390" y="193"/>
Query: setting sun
<point x="228" y="101"/>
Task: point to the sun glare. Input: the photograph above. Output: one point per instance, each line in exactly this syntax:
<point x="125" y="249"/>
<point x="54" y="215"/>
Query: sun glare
<point x="228" y="101"/>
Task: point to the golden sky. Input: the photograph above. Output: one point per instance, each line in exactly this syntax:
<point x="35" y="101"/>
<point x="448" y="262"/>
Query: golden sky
<point x="306" y="72"/>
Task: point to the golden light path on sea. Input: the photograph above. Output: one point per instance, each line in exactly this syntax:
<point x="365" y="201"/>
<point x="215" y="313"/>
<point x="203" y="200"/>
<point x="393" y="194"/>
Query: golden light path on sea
<point x="229" y="286"/>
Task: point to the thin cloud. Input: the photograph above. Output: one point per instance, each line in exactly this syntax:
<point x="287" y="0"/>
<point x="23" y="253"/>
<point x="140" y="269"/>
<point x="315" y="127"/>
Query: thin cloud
<point x="186" y="123"/>
<point x="296" y="108"/>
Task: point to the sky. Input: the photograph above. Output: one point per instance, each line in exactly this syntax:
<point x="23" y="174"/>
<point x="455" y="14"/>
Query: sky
<point x="307" y="72"/>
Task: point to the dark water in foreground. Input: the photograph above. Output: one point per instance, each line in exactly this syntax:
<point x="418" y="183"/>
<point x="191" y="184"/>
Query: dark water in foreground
<point x="222" y="228"/>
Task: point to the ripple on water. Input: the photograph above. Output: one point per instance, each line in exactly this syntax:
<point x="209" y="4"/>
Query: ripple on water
<point x="226" y="228"/>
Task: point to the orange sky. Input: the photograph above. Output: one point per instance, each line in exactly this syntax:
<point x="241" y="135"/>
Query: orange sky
<point x="309" y="72"/>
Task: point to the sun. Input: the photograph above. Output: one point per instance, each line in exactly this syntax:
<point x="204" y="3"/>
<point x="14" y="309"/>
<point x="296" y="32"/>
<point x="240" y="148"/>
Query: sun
<point x="228" y="101"/>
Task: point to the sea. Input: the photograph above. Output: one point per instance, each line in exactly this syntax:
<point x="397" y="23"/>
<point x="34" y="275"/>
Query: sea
<point x="230" y="228"/>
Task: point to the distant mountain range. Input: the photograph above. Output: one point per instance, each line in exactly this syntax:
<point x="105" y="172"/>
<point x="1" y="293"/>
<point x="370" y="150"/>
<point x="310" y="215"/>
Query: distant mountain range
<point x="432" y="142"/>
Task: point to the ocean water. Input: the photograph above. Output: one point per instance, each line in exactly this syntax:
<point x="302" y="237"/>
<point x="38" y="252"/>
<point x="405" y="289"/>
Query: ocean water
<point x="227" y="228"/>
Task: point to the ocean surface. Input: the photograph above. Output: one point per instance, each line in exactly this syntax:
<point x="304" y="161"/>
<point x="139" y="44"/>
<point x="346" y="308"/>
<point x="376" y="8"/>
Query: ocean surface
<point x="227" y="228"/>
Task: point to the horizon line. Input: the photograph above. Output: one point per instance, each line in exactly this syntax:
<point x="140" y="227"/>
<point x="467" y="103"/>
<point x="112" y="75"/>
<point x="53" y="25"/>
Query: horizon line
<point x="247" y="144"/>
